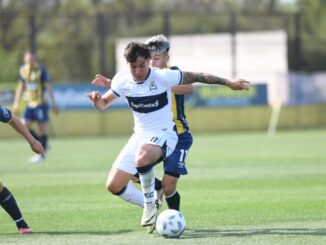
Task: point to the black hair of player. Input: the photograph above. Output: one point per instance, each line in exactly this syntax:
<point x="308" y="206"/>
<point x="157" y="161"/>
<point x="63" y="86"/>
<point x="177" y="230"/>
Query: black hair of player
<point x="135" y="50"/>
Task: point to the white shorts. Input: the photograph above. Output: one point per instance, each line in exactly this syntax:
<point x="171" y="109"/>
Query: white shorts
<point x="126" y="159"/>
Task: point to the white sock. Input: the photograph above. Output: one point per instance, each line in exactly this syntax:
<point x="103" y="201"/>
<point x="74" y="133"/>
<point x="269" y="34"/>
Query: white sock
<point x="147" y="181"/>
<point x="133" y="195"/>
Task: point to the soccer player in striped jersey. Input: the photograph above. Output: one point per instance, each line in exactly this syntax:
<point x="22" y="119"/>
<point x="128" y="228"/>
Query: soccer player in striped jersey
<point x="7" y="200"/>
<point x="175" y="164"/>
<point x="148" y="93"/>
<point x="34" y="81"/>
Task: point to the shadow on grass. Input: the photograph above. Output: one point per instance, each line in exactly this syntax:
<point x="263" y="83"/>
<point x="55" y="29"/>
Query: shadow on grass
<point x="62" y="233"/>
<point x="199" y="233"/>
<point x="203" y="233"/>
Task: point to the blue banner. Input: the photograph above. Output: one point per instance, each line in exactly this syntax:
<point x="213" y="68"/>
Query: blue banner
<point x="221" y="96"/>
<point x="73" y="96"/>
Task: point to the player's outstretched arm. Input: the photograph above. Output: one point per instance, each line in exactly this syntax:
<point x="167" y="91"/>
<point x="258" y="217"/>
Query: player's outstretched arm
<point x="101" y="81"/>
<point x="18" y="95"/>
<point x="101" y="102"/>
<point x="192" y="77"/>
<point x="238" y="84"/>
<point x="183" y="89"/>
<point x="36" y="146"/>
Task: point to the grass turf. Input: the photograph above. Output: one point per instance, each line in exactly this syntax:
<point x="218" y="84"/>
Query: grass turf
<point x="242" y="188"/>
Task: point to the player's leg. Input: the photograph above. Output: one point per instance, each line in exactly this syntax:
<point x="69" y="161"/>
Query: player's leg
<point x="153" y="149"/>
<point x="42" y="118"/>
<point x="158" y="198"/>
<point x="122" y="171"/>
<point x="9" y="204"/>
<point x="41" y="115"/>
<point x="118" y="183"/>
<point x="31" y="130"/>
<point x="43" y="129"/>
<point x="158" y="188"/>
<point x="28" y="118"/>
<point x="174" y="166"/>
<point x="172" y="196"/>
<point x="43" y="138"/>
<point x="146" y="156"/>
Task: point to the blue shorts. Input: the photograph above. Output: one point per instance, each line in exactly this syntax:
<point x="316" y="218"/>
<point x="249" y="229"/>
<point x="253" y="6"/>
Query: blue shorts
<point x="39" y="114"/>
<point x="175" y="164"/>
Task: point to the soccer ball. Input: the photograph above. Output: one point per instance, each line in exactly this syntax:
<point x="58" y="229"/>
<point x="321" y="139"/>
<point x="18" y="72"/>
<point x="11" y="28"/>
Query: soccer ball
<point x="170" y="223"/>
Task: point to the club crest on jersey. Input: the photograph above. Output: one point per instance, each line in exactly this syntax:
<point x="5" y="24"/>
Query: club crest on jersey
<point x="152" y="86"/>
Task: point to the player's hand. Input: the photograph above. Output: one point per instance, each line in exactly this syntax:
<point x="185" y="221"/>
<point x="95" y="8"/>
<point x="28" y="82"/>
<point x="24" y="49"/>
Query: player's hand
<point x="238" y="84"/>
<point x="37" y="147"/>
<point x="101" y="81"/>
<point x="94" y="96"/>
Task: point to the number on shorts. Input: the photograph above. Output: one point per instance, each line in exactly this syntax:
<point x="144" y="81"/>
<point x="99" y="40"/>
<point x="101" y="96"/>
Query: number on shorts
<point x="183" y="155"/>
<point x="154" y="139"/>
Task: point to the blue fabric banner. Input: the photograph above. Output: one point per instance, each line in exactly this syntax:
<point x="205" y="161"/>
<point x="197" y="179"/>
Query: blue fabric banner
<point x="73" y="96"/>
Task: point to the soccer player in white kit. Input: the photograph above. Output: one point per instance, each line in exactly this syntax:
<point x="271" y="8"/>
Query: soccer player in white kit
<point x="148" y="92"/>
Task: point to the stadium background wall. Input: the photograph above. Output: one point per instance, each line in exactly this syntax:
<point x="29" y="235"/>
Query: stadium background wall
<point x="201" y="120"/>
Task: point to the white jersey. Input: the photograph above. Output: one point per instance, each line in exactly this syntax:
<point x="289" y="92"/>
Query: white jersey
<point x="150" y="100"/>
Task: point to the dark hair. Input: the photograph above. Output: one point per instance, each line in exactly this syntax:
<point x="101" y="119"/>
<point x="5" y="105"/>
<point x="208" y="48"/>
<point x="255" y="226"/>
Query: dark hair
<point x="134" y="50"/>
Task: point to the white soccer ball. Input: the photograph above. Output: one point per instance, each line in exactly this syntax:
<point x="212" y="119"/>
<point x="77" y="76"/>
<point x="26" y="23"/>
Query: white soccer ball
<point x="170" y="223"/>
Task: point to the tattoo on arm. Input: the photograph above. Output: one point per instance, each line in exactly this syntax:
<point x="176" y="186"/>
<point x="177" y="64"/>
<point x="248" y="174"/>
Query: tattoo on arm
<point x="193" y="77"/>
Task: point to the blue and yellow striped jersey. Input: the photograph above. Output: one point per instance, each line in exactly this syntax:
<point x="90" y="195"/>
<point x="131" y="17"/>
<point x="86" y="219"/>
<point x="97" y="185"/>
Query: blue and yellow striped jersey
<point x="34" y="78"/>
<point x="179" y="116"/>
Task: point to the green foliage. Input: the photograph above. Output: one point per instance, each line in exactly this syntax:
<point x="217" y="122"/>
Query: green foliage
<point x="313" y="34"/>
<point x="189" y="24"/>
<point x="68" y="34"/>
<point x="8" y="68"/>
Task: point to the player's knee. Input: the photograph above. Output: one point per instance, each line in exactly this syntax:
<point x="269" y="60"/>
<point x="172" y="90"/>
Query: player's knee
<point x="142" y="155"/>
<point x="147" y="154"/>
<point x="113" y="187"/>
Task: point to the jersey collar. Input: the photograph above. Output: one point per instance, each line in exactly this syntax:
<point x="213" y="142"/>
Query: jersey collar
<point x="149" y="72"/>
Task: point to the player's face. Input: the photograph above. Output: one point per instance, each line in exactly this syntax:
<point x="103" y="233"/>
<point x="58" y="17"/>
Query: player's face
<point x="159" y="60"/>
<point x="139" y="69"/>
<point x="29" y="58"/>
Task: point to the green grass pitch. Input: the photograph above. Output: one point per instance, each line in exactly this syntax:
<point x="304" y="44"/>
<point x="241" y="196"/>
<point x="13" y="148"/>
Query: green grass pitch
<point x="242" y="188"/>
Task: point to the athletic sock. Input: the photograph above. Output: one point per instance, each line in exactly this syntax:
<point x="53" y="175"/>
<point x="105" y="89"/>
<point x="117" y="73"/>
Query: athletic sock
<point x="158" y="183"/>
<point x="9" y="204"/>
<point x="147" y="181"/>
<point x="132" y="195"/>
<point x="44" y="141"/>
<point x="21" y="224"/>
<point x="173" y="201"/>
<point x="35" y="135"/>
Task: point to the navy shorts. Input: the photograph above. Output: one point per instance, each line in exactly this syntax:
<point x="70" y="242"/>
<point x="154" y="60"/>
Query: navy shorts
<point x="175" y="164"/>
<point x="39" y="114"/>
